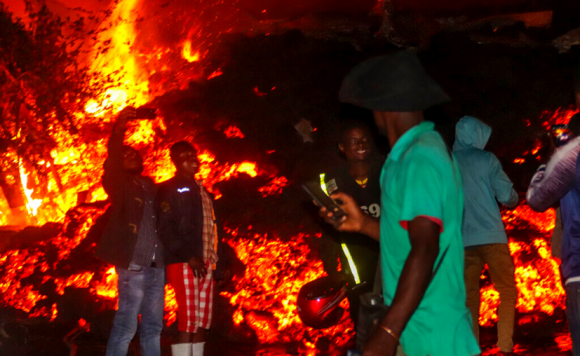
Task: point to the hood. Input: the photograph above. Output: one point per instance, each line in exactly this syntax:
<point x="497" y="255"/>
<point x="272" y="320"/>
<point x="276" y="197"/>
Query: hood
<point x="471" y="133"/>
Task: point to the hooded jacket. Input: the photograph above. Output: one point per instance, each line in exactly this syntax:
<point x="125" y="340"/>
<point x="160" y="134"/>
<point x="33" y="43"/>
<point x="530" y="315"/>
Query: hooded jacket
<point x="484" y="183"/>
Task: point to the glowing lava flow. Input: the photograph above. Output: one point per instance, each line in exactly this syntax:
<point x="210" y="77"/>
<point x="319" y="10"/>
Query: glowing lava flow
<point x="536" y="272"/>
<point x="265" y="297"/>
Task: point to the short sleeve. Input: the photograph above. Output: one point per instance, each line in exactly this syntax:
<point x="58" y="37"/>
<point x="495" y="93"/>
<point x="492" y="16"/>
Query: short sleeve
<point x="422" y="190"/>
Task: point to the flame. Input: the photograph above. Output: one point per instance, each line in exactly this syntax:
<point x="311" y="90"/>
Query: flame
<point x="188" y="53"/>
<point x="32" y="204"/>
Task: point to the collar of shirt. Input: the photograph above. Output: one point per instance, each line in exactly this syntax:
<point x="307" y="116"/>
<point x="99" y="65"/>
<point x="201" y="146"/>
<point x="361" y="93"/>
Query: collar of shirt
<point x="408" y="138"/>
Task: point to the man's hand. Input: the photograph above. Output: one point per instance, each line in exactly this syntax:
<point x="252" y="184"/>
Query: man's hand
<point x="355" y="220"/>
<point x="127" y="114"/>
<point x="197" y="266"/>
<point x="381" y="343"/>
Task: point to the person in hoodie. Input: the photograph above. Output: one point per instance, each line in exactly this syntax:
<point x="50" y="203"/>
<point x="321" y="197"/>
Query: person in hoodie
<point x="484" y="237"/>
<point x="556" y="182"/>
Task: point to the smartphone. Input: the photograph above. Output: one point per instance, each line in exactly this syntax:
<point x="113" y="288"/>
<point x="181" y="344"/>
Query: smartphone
<point x="145" y="113"/>
<point x="316" y="193"/>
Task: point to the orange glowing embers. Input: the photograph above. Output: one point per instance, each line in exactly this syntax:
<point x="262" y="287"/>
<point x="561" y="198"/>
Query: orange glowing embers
<point x="265" y="297"/>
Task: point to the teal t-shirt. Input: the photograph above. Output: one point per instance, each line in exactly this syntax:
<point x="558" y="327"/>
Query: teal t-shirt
<point x="420" y="178"/>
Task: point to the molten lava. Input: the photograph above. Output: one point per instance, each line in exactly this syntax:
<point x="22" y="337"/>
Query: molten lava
<point x="266" y="295"/>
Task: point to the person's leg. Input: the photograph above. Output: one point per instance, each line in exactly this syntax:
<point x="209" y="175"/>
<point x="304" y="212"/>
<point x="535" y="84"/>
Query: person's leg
<point x="501" y="271"/>
<point x="203" y="311"/>
<point x="152" y="311"/>
<point x="180" y="277"/>
<point x="131" y="291"/>
<point x="573" y="314"/>
<point x="473" y="267"/>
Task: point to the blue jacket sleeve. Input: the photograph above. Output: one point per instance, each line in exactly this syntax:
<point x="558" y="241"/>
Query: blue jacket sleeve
<point x="501" y="184"/>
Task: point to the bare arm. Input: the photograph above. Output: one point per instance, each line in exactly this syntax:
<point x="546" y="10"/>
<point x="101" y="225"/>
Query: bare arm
<point x="415" y="278"/>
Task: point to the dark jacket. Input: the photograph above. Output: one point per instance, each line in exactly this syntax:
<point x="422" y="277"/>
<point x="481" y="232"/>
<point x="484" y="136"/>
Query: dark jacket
<point x="126" y="211"/>
<point x="363" y="249"/>
<point x="180" y="223"/>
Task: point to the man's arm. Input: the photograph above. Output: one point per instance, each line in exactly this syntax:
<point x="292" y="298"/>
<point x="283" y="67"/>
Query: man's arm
<point x="114" y="162"/>
<point x="549" y="186"/>
<point x="501" y="184"/>
<point x="415" y="278"/>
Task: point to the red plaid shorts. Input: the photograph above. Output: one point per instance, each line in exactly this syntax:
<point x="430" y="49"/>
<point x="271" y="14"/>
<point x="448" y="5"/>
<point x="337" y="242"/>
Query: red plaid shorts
<point x="194" y="297"/>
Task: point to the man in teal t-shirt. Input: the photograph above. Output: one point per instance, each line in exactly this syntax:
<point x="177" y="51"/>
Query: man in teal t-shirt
<point x="422" y="209"/>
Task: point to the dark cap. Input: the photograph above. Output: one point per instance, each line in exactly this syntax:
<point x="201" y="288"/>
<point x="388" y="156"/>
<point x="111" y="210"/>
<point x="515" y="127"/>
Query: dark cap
<point x="397" y="82"/>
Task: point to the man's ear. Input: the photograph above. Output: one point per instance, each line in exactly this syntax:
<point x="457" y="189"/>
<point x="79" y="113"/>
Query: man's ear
<point x="341" y="147"/>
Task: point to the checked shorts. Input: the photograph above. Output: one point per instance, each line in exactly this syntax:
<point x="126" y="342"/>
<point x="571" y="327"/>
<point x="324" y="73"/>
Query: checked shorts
<point x="194" y="297"/>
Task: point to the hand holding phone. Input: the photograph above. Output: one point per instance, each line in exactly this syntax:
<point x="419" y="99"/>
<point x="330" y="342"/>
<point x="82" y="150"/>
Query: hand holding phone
<point x="323" y="200"/>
